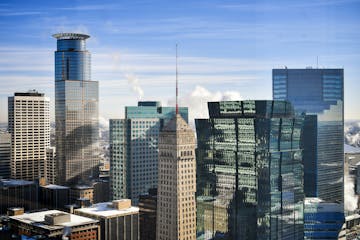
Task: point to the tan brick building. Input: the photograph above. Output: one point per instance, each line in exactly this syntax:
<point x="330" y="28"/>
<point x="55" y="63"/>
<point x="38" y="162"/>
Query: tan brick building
<point x="176" y="209"/>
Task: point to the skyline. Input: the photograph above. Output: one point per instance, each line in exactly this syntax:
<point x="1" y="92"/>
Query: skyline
<point x="227" y="49"/>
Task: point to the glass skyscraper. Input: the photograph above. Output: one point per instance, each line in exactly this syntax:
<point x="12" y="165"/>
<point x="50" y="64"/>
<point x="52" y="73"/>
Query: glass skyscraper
<point x="76" y="111"/>
<point x="322" y="220"/>
<point x="5" y="154"/>
<point x="134" y="148"/>
<point x="249" y="171"/>
<point x="320" y="94"/>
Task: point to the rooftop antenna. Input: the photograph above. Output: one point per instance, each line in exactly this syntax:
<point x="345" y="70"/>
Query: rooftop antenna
<point x="177" y="88"/>
<point x="317" y="61"/>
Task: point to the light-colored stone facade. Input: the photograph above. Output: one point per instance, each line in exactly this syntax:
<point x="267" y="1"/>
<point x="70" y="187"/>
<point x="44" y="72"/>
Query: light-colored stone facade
<point x="29" y="126"/>
<point x="176" y="207"/>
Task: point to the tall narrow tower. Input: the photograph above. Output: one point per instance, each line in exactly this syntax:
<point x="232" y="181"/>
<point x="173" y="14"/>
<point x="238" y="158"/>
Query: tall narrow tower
<point x="176" y="206"/>
<point x="176" y="216"/>
<point x="76" y="111"/>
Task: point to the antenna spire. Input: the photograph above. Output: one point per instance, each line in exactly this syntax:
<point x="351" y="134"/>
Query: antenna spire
<point x="177" y="88"/>
<point x="317" y="61"/>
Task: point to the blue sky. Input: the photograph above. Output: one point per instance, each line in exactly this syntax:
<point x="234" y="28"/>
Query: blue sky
<point x="226" y="48"/>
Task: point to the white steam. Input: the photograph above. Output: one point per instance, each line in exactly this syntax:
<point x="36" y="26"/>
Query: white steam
<point x="352" y="133"/>
<point x="351" y="200"/>
<point x="135" y="86"/>
<point x="197" y="100"/>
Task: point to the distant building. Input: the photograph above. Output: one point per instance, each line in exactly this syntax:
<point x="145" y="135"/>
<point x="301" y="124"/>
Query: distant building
<point x="249" y="171"/>
<point x="101" y="191"/>
<point x="29" y="126"/>
<point x="51" y="169"/>
<point x="81" y="192"/>
<point x="322" y="220"/>
<point x="134" y="149"/>
<point x="320" y="94"/>
<point x="54" y="196"/>
<point x="118" y="219"/>
<point x="352" y="227"/>
<point x="5" y="154"/>
<point x="176" y="206"/>
<point x="76" y="111"/>
<point x="18" y="193"/>
<point x="54" y="224"/>
<point x="148" y="206"/>
<point x="104" y="170"/>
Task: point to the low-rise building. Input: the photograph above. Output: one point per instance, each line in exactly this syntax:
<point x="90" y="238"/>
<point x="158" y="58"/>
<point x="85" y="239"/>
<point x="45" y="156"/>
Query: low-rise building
<point x="81" y="192"/>
<point x="18" y="193"/>
<point x="54" y="224"/>
<point x="118" y="219"/>
<point x="54" y="196"/>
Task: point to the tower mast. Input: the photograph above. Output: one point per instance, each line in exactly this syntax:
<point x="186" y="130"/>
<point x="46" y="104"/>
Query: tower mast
<point x="177" y="88"/>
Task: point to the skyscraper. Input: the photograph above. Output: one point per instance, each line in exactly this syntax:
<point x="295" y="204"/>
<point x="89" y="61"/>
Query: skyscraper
<point x="176" y="207"/>
<point x="5" y="154"/>
<point x="134" y="149"/>
<point x="320" y="94"/>
<point x="323" y="220"/>
<point x="29" y="126"/>
<point x="76" y="111"/>
<point x="249" y="171"/>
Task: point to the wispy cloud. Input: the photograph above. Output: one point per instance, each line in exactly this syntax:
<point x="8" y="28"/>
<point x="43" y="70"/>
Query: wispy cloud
<point x="9" y="13"/>
<point x="283" y="5"/>
<point x="94" y="7"/>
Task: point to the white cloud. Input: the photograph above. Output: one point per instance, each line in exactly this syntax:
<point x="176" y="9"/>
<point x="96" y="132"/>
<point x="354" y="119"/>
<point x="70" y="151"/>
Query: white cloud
<point x="197" y="100"/>
<point x="351" y="200"/>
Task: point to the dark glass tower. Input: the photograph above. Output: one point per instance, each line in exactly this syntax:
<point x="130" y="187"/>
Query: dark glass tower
<point x="320" y="94"/>
<point x="249" y="172"/>
<point x="76" y="111"/>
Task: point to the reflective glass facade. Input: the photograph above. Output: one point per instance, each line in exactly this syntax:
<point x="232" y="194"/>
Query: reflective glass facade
<point x="134" y="149"/>
<point x="76" y="111"/>
<point x="322" y="220"/>
<point x="320" y="94"/>
<point x="5" y="154"/>
<point x="249" y="171"/>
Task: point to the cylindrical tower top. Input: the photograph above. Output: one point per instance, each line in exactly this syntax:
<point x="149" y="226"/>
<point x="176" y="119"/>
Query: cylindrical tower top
<point x="70" y="36"/>
<point x="72" y="60"/>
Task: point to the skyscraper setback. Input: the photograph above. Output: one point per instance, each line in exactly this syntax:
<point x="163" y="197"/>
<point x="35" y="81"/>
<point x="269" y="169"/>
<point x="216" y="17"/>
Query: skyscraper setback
<point x="320" y="94"/>
<point x="29" y="126"/>
<point x="76" y="111"/>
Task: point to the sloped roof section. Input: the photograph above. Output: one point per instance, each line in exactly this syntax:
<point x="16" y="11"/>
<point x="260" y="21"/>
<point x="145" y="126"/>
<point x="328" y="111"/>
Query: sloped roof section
<point x="177" y="123"/>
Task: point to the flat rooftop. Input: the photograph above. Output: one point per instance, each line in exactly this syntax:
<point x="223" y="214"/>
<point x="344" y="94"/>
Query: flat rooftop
<point x="70" y="36"/>
<point x="104" y="210"/>
<point x="38" y="219"/>
<point x="53" y="186"/>
<point x="14" y="182"/>
<point x="31" y="93"/>
<point x="82" y="187"/>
